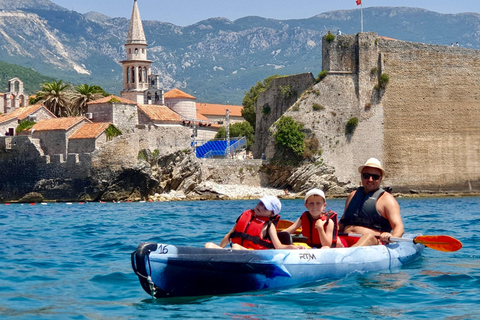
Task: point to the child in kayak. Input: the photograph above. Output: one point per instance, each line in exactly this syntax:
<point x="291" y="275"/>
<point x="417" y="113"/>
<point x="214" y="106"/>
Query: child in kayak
<point x="318" y="225"/>
<point x="256" y="228"/>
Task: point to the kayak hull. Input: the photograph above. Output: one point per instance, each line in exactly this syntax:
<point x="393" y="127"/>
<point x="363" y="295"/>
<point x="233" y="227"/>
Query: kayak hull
<point x="167" y="270"/>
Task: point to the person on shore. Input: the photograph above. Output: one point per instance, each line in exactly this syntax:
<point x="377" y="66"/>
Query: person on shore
<point x="318" y="225"/>
<point x="370" y="210"/>
<point x="256" y="228"/>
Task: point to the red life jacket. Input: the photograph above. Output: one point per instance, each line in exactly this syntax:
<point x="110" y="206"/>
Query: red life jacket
<point x="248" y="231"/>
<point x="309" y="231"/>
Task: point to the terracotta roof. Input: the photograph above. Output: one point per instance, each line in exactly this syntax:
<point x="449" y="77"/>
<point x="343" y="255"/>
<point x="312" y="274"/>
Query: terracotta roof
<point x="160" y="113"/>
<point x="21" y="113"/>
<point x="90" y="130"/>
<point x="107" y="99"/>
<point x="63" y="123"/>
<point x="219" y="109"/>
<point x="177" y="93"/>
<point x="200" y="116"/>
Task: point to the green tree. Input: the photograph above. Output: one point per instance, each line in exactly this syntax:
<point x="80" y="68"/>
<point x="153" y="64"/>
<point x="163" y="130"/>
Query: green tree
<point x="239" y="129"/>
<point x="248" y="112"/>
<point x="55" y="97"/>
<point x="289" y="135"/>
<point x="83" y="94"/>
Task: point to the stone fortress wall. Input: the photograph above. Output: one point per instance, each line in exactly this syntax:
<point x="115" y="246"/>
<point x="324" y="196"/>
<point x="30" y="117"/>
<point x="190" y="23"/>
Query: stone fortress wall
<point x="424" y="125"/>
<point x="58" y="176"/>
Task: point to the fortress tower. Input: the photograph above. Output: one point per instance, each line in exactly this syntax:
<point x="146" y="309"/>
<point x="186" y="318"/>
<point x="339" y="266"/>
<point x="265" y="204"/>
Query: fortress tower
<point x="139" y="84"/>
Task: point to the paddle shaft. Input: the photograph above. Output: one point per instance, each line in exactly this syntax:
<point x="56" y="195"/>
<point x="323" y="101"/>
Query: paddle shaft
<point x="392" y="239"/>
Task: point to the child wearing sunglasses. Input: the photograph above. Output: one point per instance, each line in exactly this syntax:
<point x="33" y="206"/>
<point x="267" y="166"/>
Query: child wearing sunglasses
<point x="370" y="210"/>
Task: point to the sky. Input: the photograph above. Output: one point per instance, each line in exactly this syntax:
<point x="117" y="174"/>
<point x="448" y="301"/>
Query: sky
<point x="187" y="12"/>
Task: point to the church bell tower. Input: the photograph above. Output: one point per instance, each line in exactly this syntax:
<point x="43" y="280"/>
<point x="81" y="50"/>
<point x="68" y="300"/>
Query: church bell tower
<point x="136" y="68"/>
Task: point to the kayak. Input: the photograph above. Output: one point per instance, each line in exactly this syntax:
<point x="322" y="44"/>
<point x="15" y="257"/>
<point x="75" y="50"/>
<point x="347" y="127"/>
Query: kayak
<point x="166" y="270"/>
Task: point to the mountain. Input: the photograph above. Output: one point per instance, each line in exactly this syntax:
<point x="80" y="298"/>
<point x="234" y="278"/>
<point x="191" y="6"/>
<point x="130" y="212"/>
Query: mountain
<point x="216" y="60"/>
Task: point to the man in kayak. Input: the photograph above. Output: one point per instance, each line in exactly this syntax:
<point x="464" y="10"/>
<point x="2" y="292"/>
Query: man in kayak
<point x="370" y="210"/>
<point x="256" y="228"/>
<point x="318" y="225"/>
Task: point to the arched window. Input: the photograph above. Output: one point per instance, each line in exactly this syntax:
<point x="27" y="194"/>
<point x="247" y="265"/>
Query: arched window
<point x="140" y="75"/>
<point x="130" y="51"/>
<point x="136" y="50"/>
<point x="133" y="75"/>
<point x="128" y="74"/>
<point x="145" y="75"/>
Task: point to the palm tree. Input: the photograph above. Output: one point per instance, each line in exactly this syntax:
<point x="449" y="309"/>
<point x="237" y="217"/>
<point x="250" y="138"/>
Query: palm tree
<point x="54" y="96"/>
<point x="83" y="94"/>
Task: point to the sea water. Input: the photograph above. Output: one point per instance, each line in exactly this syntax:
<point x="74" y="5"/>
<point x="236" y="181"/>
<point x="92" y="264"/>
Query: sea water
<point x="72" y="261"/>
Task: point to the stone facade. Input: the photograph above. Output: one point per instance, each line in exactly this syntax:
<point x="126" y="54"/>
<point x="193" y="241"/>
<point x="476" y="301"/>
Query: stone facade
<point x="272" y="103"/>
<point x="123" y="115"/>
<point x="55" y="142"/>
<point x="14" y="98"/>
<point x="86" y="145"/>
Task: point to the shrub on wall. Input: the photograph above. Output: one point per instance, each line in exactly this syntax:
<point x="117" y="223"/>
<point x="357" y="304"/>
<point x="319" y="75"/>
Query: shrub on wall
<point x="317" y="107"/>
<point x="24" y="125"/>
<point x="330" y="37"/>
<point x="321" y="76"/>
<point x="383" y="80"/>
<point x="287" y="92"/>
<point x="112" y="132"/>
<point x="289" y="135"/>
<point x="113" y="100"/>
<point x="351" y="125"/>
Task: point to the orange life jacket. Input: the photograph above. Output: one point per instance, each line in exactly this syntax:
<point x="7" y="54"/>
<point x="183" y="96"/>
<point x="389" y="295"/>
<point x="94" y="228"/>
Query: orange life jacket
<point x="309" y="231"/>
<point x="248" y="231"/>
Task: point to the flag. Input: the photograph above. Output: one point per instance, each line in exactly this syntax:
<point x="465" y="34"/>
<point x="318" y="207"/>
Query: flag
<point x="359" y="2"/>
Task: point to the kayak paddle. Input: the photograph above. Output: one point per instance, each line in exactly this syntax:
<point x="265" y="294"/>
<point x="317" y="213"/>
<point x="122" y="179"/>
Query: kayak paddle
<point x="440" y="243"/>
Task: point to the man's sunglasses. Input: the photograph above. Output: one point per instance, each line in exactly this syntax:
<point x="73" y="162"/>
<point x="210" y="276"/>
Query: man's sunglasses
<point x="366" y="176"/>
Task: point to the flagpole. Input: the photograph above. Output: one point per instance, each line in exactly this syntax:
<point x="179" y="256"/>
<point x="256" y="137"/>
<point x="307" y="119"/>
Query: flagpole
<point x="361" y="16"/>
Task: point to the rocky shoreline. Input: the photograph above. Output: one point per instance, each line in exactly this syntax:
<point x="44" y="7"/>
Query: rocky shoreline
<point x="240" y="192"/>
<point x="216" y="191"/>
<point x="180" y="176"/>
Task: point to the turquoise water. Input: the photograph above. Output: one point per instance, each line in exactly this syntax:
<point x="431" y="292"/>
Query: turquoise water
<point x="72" y="261"/>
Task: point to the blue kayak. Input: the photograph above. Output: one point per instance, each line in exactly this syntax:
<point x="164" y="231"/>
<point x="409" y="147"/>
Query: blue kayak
<point x="166" y="270"/>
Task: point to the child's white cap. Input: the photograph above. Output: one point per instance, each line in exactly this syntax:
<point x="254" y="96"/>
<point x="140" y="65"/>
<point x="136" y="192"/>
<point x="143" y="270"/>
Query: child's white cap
<point x="315" y="192"/>
<point x="271" y="203"/>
